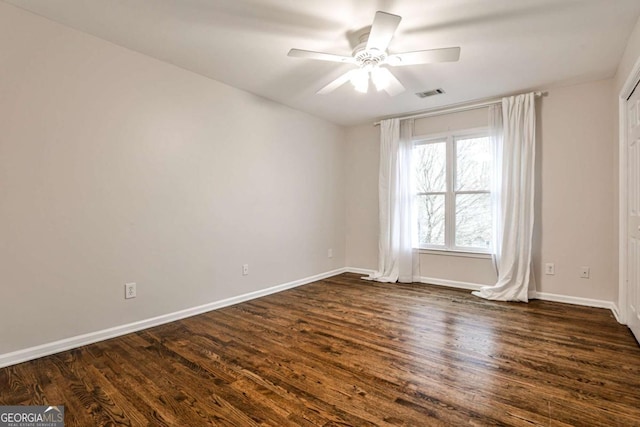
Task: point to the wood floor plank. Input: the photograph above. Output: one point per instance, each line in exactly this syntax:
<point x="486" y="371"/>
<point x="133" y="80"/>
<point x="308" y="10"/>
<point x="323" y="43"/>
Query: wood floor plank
<point x="343" y="351"/>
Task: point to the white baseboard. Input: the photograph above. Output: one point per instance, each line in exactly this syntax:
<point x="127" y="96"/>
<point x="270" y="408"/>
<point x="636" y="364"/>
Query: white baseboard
<point x="616" y="313"/>
<point x="544" y="296"/>
<point x="363" y="271"/>
<point x="47" y="349"/>
<point x="425" y="280"/>
<point x="451" y="283"/>
<point x="587" y="302"/>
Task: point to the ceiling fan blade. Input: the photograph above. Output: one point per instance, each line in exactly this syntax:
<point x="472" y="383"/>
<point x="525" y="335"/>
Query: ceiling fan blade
<point x="337" y="83"/>
<point x="309" y="54"/>
<point x="449" y="54"/>
<point x="382" y="29"/>
<point x="394" y="87"/>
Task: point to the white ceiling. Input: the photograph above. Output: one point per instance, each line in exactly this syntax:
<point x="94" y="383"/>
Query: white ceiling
<point x="507" y="45"/>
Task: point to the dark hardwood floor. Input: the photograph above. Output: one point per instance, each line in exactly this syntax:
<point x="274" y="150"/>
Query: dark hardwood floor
<point x="343" y="351"/>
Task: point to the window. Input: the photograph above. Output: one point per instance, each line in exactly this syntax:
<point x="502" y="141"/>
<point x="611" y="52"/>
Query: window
<point x="452" y="187"/>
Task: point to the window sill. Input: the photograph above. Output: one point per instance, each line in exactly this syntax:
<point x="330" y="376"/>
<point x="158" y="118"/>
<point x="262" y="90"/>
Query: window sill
<point x="450" y="252"/>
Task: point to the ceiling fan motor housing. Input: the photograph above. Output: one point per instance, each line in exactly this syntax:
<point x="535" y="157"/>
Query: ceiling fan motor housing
<point x="371" y="57"/>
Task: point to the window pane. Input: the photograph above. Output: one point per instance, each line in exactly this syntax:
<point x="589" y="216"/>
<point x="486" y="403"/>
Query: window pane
<point x="473" y="164"/>
<point x="430" y="166"/>
<point x="473" y="220"/>
<point x="430" y="210"/>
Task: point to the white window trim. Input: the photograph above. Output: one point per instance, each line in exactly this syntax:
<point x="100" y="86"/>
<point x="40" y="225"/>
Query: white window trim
<point x="457" y="253"/>
<point x="449" y="248"/>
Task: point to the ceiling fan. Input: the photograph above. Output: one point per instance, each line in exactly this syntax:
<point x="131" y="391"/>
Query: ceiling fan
<point x="370" y="57"/>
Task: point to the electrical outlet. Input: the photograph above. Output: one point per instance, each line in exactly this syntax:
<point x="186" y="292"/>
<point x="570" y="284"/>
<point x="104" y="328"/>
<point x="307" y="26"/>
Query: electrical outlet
<point x="245" y="269"/>
<point x="129" y="290"/>
<point x="585" y="272"/>
<point x="550" y="269"/>
<point x="330" y="253"/>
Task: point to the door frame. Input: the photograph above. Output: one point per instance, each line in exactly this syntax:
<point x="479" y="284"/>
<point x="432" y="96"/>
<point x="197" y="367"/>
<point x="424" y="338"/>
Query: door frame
<point x="625" y="92"/>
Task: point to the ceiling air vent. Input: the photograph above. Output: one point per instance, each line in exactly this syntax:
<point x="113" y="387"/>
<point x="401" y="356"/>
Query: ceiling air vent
<point x="429" y="93"/>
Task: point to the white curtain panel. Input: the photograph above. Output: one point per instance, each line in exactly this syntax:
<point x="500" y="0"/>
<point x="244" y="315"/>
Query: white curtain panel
<point x="512" y="130"/>
<point x="396" y="259"/>
<point x="496" y="140"/>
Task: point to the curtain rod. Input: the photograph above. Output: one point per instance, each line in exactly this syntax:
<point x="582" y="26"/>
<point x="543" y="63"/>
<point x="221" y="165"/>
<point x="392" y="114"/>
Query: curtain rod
<point x="456" y="108"/>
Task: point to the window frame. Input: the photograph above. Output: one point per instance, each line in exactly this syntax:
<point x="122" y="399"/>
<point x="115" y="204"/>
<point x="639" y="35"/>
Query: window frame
<point x="450" y="138"/>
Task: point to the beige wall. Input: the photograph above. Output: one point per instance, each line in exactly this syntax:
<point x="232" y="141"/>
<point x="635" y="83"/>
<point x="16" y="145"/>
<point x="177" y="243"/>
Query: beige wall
<point x="575" y="162"/>
<point x="362" y="163"/>
<point x="115" y="168"/>
<point x="575" y="169"/>
<point x="462" y="269"/>
<point x="451" y="122"/>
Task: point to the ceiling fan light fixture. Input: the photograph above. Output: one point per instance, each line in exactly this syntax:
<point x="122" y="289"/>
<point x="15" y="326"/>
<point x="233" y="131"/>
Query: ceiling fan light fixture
<point x="380" y="79"/>
<point x="362" y="87"/>
<point x="360" y="80"/>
